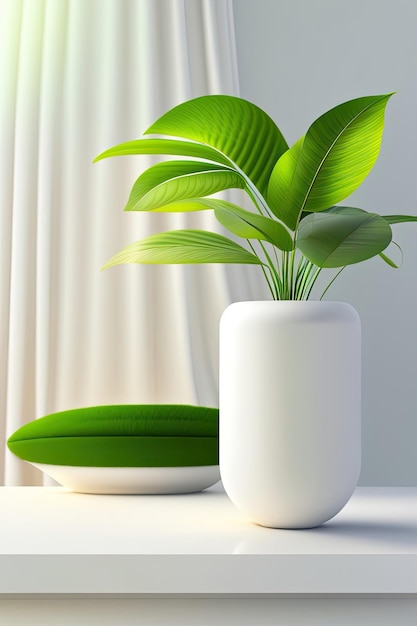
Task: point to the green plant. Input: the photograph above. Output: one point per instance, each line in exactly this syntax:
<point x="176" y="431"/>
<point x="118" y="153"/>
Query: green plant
<point x="294" y="230"/>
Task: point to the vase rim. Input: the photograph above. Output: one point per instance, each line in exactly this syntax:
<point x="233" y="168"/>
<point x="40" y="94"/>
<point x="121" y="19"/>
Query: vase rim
<point x="292" y="302"/>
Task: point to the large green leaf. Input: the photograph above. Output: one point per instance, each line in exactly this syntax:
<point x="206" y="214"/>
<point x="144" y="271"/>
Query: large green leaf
<point x="339" y="150"/>
<point x="165" y="146"/>
<point x="235" y="127"/>
<point x="251" y="226"/>
<point x="342" y="236"/>
<point x="281" y="179"/>
<point x="184" y="246"/>
<point x="169" y="182"/>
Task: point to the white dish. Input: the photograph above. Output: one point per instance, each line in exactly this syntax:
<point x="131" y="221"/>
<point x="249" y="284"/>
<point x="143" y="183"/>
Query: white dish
<point x="133" y="480"/>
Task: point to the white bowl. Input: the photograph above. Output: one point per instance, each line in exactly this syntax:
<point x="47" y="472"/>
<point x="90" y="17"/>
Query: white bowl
<point x="133" y="480"/>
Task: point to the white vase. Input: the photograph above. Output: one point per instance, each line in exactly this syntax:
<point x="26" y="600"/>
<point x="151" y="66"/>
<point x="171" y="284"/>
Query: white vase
<point x="290" y="409"/>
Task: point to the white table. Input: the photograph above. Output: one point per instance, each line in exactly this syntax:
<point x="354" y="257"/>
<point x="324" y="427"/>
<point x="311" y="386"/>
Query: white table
<point x="194" y="559"/>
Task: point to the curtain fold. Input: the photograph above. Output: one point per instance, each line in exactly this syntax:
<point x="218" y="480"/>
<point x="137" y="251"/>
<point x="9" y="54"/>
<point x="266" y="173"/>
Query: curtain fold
<point x="79" y="76"/>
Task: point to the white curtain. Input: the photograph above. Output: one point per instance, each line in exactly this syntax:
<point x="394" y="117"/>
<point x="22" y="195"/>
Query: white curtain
<point x="78" y="76"/>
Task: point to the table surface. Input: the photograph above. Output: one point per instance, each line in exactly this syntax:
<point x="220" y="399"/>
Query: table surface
<point x="55" y="541"/>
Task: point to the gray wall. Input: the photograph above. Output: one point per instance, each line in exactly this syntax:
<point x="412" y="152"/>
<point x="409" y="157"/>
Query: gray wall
<point x="297" y="59"/>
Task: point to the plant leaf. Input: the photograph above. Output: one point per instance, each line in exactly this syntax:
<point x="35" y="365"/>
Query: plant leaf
<point x="238" y="129"/>
<point x="251" y="226"/>
<point x="281" y="179"/>
<point x="189" y="205"/>
<point x="169" y="182"/>
<point x="387" y="260"/>
<point x="398" y="219"/>
<point x="339" y="150"/>
<point x="165" y="146"/>
<point x="184" y="246"/>
<point x="342" y="236"/>
<point x="194" y="204"/>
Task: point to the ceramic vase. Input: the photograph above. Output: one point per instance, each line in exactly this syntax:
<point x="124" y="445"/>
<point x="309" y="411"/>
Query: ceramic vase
<point x="290" y="409"/>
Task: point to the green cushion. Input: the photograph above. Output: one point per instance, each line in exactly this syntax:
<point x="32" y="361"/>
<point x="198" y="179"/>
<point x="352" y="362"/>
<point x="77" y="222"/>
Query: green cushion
<point x="157" y="435"/>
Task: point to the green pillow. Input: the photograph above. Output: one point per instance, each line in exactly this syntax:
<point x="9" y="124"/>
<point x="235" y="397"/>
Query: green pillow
<point x="135" y="435"/>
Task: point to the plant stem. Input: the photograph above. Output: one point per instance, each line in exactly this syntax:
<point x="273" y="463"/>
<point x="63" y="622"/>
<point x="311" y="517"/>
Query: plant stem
<point x="312" y="280"/>
<point x="272" y="287"/>
<point x="303" y="271"/>
<point x="292" y="281"/>
<point x="258" y="199"/>
<point x="273" y="270"/>
<point x="252" y="196"/>
<point x="331" y="282"/>
<point x="286" y="281"/>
